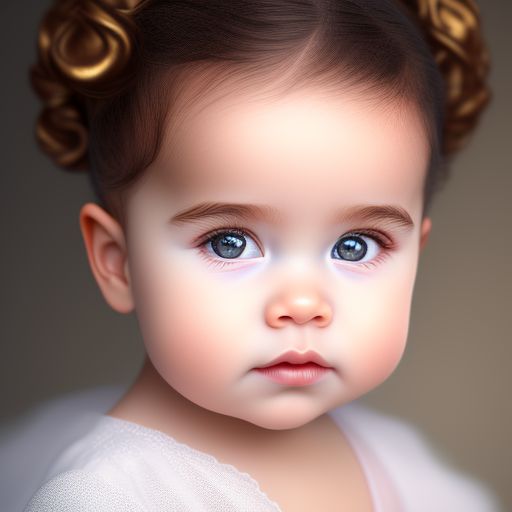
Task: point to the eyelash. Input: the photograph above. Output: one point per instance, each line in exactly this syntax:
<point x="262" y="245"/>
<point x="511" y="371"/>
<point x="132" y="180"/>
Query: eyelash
<point x="383" y="240"/>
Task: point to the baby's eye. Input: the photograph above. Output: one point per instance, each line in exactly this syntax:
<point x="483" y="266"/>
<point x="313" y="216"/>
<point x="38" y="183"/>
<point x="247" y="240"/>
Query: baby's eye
<point x="355" y="246"/>
<point x="231" y="244"/>
<point x="237" y="244"/>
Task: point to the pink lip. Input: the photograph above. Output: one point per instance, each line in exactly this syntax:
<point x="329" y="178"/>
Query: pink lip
<point x="294" y="374"/>
<point x="296" y="368"/>
<point x="294" y="357"/>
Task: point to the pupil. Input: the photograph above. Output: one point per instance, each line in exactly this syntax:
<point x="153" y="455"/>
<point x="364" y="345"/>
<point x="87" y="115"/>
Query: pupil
<point x="351" y="249"/>
<point x="229" y="246"/>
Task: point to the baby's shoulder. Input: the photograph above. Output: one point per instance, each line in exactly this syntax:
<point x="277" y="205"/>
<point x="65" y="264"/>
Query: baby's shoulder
<point x="149" y="470"/>
<point x="117" y="465"/>
<point x="425" y="477"/>
<point x="121" y="453"/>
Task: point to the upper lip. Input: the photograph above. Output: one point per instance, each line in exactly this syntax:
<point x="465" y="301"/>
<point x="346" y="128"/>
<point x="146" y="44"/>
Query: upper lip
<point x="294" y="357"/>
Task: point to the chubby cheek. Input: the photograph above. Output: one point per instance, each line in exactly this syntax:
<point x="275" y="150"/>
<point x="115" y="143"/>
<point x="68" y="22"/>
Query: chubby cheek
<point x="193" y="328"/>
<point x="379" y="324"/>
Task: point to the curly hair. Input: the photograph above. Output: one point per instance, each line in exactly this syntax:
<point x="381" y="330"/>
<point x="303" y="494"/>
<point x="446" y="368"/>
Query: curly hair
<point x="109" y="71"/>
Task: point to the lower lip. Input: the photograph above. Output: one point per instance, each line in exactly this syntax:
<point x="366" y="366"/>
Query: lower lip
<point x="294" y="374"/>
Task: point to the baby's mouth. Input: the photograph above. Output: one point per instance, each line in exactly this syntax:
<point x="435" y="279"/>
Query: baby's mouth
<point x="293" y="374"/>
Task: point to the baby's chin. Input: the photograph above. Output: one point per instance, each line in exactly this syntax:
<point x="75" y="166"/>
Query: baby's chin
<point x="281" y="416"/>
<point x="283" y="422"/>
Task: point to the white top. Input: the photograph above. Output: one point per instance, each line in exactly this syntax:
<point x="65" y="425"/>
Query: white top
<point x="118" y="465"/>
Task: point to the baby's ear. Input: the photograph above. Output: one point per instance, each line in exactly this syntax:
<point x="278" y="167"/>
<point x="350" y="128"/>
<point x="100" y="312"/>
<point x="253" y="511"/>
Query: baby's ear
<point x="106" y="250"/>
<point x="426" y="227"/>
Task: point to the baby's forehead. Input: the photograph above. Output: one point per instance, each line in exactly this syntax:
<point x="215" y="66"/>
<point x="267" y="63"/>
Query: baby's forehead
<point x="252" y="130"/>
<point x="304" y="153"/>
<point x="207" y="98"/>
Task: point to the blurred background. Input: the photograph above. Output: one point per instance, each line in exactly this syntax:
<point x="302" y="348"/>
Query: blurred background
<point x="453" y="383"/>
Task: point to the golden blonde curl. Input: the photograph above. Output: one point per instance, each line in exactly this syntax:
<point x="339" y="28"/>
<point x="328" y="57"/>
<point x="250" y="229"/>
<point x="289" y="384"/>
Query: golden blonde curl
<point x="453" y="30"/>
<point x="84" y="49"/>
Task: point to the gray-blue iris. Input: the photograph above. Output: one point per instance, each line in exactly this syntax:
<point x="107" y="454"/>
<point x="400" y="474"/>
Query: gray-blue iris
<point x="229" y="245"/>
<point x="351" y="248"/>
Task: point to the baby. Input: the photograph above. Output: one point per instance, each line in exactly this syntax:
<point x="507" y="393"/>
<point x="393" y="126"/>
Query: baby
<point x="264" y="172"/>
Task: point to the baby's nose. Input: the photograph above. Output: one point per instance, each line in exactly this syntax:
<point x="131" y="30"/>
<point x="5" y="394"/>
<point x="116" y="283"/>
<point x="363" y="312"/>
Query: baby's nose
<point x="299" y="306"/>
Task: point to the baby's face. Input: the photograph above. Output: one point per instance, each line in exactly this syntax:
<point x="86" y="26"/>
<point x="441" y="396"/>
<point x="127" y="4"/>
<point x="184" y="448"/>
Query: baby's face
<point x="308" y="270"/>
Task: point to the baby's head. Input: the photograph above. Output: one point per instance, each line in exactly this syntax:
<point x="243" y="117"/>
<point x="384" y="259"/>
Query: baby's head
<point x="264" y="172"/>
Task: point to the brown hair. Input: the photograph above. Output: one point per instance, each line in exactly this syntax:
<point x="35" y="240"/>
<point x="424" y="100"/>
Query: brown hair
<point x="108" y="71"/>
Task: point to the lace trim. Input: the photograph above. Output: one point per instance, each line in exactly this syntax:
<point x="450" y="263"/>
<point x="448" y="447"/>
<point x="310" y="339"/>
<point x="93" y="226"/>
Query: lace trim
<point x="136" y="427"/>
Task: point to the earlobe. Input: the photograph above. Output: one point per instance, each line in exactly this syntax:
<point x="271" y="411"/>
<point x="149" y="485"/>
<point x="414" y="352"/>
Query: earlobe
<point x="426" y="227"/>
<point x="106" y="251"/>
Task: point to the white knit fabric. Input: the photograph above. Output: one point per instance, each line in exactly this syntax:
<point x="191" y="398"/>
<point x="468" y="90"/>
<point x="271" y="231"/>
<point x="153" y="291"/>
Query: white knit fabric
<point x="122" y="466"/>
<point x="151" y="471"/>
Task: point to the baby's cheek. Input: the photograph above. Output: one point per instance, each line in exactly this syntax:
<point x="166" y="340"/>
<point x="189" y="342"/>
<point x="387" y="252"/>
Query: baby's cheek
<point x="193" y="332"/>
<point x="380" y="332"/>
<point x="380" y="360"/>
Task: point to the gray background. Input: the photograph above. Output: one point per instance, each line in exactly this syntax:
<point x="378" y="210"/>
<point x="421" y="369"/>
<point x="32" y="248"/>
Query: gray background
<point x="454" y="381"/>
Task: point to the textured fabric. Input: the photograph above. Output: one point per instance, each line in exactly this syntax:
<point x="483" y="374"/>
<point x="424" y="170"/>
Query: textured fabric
<point x="120" y="465"/>
<point x="81" y="491"/>
<point x="30" y="442"/>
<point x="153" y="470"/>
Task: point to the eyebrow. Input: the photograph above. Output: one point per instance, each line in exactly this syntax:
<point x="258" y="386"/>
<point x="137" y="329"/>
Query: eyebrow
<point x="387" y="213"/>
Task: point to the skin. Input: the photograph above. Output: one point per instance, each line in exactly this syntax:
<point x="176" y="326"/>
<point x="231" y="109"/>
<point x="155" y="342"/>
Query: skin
<point x="307" y="154"/>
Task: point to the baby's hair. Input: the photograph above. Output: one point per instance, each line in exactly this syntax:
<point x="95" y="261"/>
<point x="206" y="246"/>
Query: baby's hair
<point x="109" y="71"/>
